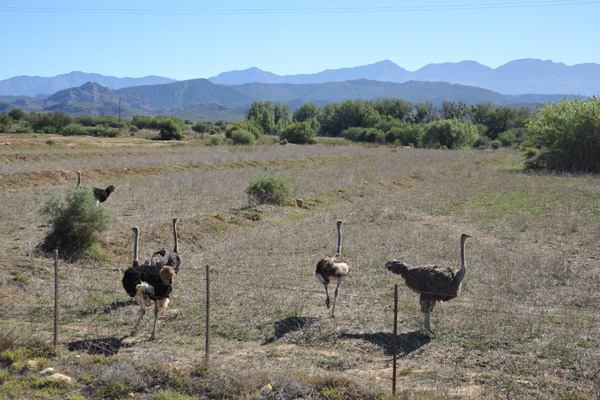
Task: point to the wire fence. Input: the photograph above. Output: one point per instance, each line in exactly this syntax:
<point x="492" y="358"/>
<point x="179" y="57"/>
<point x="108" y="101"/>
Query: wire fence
<point x="231" y="307"/>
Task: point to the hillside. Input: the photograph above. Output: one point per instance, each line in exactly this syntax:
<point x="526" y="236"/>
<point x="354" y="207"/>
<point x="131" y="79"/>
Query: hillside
<point x="200" y="99"/>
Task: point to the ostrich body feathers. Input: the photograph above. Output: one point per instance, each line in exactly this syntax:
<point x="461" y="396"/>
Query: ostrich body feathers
<point x="102" y="194"/>
<point x="433" y="282"/>
<point x="332" y="268"/>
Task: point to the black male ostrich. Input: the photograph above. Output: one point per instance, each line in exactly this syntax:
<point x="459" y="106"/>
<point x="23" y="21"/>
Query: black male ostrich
<point x="100" y="194"/>
<point x="333" y="268"/>
<point x="433" y="282"/>
<point x="147" y="284"/>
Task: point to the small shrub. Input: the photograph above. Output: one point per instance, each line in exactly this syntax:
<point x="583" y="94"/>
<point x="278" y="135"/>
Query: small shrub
<point x="50" y="142"/>
<point x="76" y="223"/>
<point x="496" y="144"/>
<point x="240" y="136"/>
<point x="214" y="140"/>
<point x="268" y="189"/>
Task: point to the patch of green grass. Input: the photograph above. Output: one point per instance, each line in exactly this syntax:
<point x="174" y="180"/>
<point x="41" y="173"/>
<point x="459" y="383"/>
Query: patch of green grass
<point x="18" y="277"/>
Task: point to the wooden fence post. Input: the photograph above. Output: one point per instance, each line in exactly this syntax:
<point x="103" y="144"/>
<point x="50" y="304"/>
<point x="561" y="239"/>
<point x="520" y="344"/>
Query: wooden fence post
<point x="55" y="298"/>
<point x="395" y="338"/>
<point x="206" y="352"/>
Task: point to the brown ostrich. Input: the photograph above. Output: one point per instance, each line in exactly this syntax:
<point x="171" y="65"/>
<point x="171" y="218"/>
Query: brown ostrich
<point x="333" y="268"/>
<point x="433" y="282"/>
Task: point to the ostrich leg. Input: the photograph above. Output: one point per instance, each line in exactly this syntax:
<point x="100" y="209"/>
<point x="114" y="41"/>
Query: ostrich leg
<point x="137" y="324"/>
<point x="153" y="335"/>
<point x="335" y="297"/>
<point x="326" y="296"/>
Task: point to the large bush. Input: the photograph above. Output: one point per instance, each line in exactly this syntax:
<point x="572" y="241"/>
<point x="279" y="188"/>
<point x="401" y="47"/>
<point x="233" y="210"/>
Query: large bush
<point x="76" y="223"/>
<point x="241" y="136"/>
<point x="568" y="136"/>
<point x="269" y="189"/>
<point x="170" y="130"/>
<point x="299" y="133"/>
<point x="368" y="135"/>
<point x="449" y="133"/>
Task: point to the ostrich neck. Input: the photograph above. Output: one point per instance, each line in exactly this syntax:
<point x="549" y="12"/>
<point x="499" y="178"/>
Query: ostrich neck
<point x="175" y="237"/>
<point x="463" y="266"/>
<point x="339" y="244"/>
<point x="78" y="179"/>
<point x="135" y="248"/>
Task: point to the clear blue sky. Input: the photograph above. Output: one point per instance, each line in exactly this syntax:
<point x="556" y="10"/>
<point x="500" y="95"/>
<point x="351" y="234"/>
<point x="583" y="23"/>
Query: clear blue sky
<point x="183" y="39"/>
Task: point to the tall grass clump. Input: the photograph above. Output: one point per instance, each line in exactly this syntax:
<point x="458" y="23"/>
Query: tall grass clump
<point x="76" y="223"/>
<point x="568" y="136"/>
<point x="268" y="189"/>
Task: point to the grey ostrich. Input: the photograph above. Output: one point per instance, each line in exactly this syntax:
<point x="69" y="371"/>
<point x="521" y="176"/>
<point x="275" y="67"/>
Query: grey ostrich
<point x="147" y="284"/>
<point x="167" y="257"/>
<point x="333" y="268"/>
<point x="433" y="282"/>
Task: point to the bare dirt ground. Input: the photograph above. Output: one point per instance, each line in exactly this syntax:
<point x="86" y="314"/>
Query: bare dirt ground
<point x="525" y="325"/>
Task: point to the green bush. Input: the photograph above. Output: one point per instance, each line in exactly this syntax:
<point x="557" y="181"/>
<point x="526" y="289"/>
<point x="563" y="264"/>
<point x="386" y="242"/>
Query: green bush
<point x="268" y="189"/>
<point x="50" y="142"/>
<point x="214" y="140"/>
<point x="170" y="130"/>
<point x="76" y="223"/>
<point x="241" y="136"/>
<point x="449" y="133"/>
<point x="5" y="122"/>
<point x="369" y="135"/>
<point x="568" y="136"/>
<point x="405" y="134"/>
<point x="73" y="129"/>
<point x="299" y="133"/>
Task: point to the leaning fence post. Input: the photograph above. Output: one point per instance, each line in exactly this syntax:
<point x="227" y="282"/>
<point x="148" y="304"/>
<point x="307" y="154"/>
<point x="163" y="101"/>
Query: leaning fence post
<point x="55" y="298"/>
<point x="395" y="338"/>
<point x="207" y="314"/>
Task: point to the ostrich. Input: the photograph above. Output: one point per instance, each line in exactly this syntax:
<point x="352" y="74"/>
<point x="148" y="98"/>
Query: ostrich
<point x="433" y="282"/>
<point x="100" y="194"/>
<point x="166" y="257"/>
<point x="147" y="284"/>
<point x="333" y="268"/>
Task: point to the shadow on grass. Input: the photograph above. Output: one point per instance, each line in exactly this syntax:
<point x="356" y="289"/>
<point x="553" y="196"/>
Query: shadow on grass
<point x="287" y="325"/>
<point x="115" y="305"/>
<point x="108" y="346"/>
<point x="407" y="342"/>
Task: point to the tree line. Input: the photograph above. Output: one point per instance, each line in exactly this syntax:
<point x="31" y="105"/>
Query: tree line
<point x="562" y="136"/>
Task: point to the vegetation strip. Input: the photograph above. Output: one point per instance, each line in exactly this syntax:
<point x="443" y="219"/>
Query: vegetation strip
<point x="49" y="177"/>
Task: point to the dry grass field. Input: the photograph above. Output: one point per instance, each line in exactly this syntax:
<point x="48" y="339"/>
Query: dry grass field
<point x="525" y="325"/>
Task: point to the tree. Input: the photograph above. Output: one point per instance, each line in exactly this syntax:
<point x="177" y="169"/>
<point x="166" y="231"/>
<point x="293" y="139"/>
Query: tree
<point x="395" y="108"/>
<point x="299" y="133"/>
<point x="568" y="134"/>
<point x="5" y="122"/>
<point x="170" y="130"/>
<point x="16" y="114"/>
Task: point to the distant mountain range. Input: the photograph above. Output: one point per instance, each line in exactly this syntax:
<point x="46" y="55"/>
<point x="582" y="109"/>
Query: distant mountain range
<point x="201" y="99"/>
<point x="516" y="77"/>
<point x="36" y="85"/>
